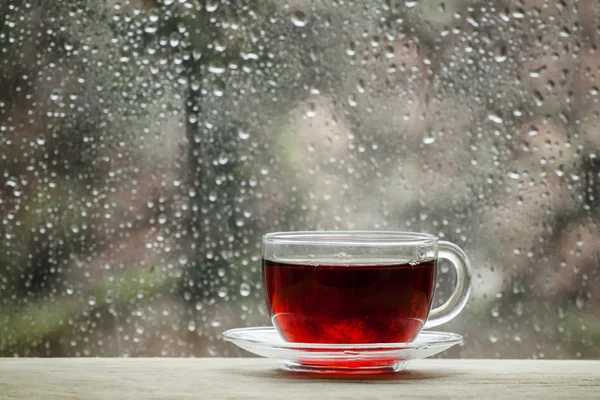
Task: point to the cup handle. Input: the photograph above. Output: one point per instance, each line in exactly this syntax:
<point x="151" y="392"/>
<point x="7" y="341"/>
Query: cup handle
<point x="458" y="299"/>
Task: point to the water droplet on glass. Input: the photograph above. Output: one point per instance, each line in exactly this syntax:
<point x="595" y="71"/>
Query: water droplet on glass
<point x="352" y="101"/>
<point x="537" y="72"/>
<point x="500" y="55"/>
<point x="312" y="110"/>
<point x="242" y="134"/>
<point x="360" y="86"/>
<point x="245" y="289"/>
<point x="151" y="27"/>
<point x="55" y="95"/>
<point x="216" y="68"/>
<point x="298" y="18"/>
<point x="211" y="5"/>
<point x="496" y="119"/>
<point x="518" y="13"/>
<point x="223" y="159"/>
<point x="350" y="49"/>
<point x="539" y="99"/>
<point x="429" y="139"/>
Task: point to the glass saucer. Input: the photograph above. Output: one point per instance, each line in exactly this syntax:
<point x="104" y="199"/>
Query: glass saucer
<point x="339" y="358"/>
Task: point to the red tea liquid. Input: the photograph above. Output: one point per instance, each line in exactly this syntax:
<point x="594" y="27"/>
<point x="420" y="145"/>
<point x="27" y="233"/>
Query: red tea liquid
<point x="380" y="303"/>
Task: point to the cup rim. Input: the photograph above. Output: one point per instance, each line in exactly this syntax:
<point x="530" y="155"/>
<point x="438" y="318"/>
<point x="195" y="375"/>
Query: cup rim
<point x="350" y="238"/>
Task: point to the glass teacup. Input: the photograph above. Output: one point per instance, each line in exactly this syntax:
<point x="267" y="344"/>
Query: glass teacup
<point x="358" y="286"/>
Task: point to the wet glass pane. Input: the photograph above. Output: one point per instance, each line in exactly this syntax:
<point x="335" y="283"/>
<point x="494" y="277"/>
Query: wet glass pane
<point x="146" y="145"/>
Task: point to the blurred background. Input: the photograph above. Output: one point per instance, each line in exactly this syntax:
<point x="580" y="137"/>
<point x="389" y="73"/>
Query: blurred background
<point x="146" y="145"/>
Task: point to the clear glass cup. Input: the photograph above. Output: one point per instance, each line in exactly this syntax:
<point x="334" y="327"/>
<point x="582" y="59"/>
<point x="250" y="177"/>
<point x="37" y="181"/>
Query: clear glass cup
<point x="358" y="286"/>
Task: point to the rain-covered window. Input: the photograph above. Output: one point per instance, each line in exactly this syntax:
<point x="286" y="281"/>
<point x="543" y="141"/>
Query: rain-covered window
<point x="146" y="145"/>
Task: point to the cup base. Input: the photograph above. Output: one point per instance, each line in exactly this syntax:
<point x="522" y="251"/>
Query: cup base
<point x="341" y="370"/>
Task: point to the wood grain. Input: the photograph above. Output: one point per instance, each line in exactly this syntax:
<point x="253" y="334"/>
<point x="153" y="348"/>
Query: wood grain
<point x="244" y="378"/>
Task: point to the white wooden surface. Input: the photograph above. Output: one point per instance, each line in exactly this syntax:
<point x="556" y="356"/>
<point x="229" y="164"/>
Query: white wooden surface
<point x="244" y="378"/>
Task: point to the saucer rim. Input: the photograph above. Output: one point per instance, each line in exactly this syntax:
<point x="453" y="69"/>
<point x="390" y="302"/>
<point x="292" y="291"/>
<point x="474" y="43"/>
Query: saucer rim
<point x="448" y="338"/>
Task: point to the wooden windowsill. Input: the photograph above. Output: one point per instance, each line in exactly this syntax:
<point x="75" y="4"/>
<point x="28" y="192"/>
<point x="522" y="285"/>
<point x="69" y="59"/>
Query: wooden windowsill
<point x="243" y="378"/>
